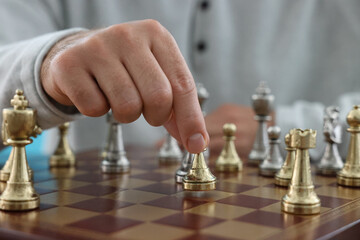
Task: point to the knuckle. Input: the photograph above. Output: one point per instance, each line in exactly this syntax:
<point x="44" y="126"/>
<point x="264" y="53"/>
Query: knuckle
<point x="155" y="26"/>
<point x="122" y="31"/>
<point x="127" y="111"/>
<point x="183" y="84"/>
<point x="160" y="98"/>
<point x="64" y="61"/>
<point x="96" y="45"/>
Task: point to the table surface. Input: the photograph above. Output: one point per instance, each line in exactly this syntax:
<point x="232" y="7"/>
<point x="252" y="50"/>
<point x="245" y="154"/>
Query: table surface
<point x="82" y="203"/>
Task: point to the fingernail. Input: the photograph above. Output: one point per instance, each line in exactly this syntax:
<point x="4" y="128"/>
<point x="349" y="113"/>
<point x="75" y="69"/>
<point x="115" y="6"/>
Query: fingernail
<point x="196" y="143"/>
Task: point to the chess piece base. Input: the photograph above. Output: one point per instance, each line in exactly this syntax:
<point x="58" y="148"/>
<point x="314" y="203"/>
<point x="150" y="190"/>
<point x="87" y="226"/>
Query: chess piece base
<point x="282" y="182"/>
<point x="204" y="186"/>
<point x="228" y="168"/>
<point x="348" y="182"/>
<point x="62" y="161"/>
<point x="115" y="169"/>
<point x="268" y="172"/>
<point x="12" y="205"/>
<point x="301" y="209"/>
<point x="180" y="176"/>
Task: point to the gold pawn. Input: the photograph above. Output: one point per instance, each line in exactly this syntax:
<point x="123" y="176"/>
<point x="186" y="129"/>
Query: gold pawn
<point x="301" y="197"/>
<point x="19" y="124"/>
<point x="229" y="160"/>
<point x="63" y="155"/>
<point x="350" y="174"/>
<point x="199" y="177"/>
<point x="283" y="176"/>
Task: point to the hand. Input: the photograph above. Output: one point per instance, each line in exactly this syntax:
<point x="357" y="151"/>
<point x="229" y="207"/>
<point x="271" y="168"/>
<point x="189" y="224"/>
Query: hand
<point x="243" y="117"/>
<point x="133" y="68"/>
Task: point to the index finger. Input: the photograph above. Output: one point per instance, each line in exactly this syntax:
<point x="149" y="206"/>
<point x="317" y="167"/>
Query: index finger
<point x="188" y="116"/>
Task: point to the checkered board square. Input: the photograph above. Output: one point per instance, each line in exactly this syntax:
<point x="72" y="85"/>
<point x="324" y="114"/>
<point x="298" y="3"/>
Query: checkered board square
<point x="83" y="203"/>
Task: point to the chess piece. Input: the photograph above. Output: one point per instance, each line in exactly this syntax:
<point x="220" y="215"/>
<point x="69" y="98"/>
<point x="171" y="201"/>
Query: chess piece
<point x="301" y="197"/>
<point x="108" y="136"/>
<point x="273" y="161"/>
<point x="199" y="177"/>
<point x="331" y="161"/>
<point x="350" y="174"/>
<point x="283" y="176"/>
<point x="170" y="152"/>
<point x="19" y="124"/>
<point x="229" y="160"/>
<point x="186" y="164"/>
<point x="263" y="105"/>
<point x="203" y="95"/>
<point x="115" y="160"/>
<point x="63" y="155"/>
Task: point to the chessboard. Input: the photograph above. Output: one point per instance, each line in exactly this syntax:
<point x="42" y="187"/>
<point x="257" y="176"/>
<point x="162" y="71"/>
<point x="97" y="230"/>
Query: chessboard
<point x="83" y="203"/>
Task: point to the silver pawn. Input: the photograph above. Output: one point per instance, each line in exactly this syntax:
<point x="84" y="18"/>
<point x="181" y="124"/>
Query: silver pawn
<point x="273" y="162"/>
<point x="203" y="95"/>
<point x="331" y="161"/>
<point x="170" y="152"/>
<point x="186" y="164"/>
<point x="262" y="102"/>
<point x="115" y="160"/>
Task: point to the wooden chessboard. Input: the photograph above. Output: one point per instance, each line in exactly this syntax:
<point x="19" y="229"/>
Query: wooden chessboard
<point x="82" y="203"/>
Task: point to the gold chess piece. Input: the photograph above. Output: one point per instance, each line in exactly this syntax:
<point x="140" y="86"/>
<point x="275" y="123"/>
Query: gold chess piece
<point x="229" y="160"/>
<point x="301" y="197"/>
<point x="199" y="177"/>
<point x="283" y="176"/>
<point x="350" y="174"/>
<point x="63" y="155"/>
<point x="19" y="124"/>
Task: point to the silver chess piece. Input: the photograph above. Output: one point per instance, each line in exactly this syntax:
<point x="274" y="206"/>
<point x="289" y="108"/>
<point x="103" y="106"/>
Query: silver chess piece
<point x="273" y="162"/>
<point x="115" y="160"/>
<point x="331" y="161"/>
<point x="262" y="102"/>
<point x="170" y="152"/>
<point x="203" y="95"/>
<point x="186" y="164"/>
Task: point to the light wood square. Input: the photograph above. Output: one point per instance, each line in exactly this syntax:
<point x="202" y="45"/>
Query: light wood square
<point x="220" y="210"/>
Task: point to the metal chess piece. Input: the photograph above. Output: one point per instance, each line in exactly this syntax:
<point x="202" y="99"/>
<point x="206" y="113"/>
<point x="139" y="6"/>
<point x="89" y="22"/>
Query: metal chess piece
<point x="109" y="135"/>
<point x="301" y="197"/>
<point x="263" y="105"/>
<point x="63" y="155"/>
<point x="273" y="161"/>
<point x="186" y="164"/>
<point x="115" y="160"/>
<point x="283" y="176"/>
<point x="199" y="177"/>
<point x="170" y="152"/>
<point x="350" y="174"/>
<point x="19" y="124"/>
<point x="229" y="160"/>
<point x="331" y="161"/>
<point x="203" y="95"/>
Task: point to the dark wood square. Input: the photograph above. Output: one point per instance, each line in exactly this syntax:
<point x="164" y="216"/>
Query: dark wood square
<point x="95" y="177"/>
<point x="248" y="201"/>
<point x="189" y="220"/>
<point x="94" y="190"/>
<point x="175" y="203"/>
<point x="270" y="219"/>
<point x="332" y="202"/>
<point x="105" y="223"/>
<point x="100" y="205"/>
<point x="163" y="188"/>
